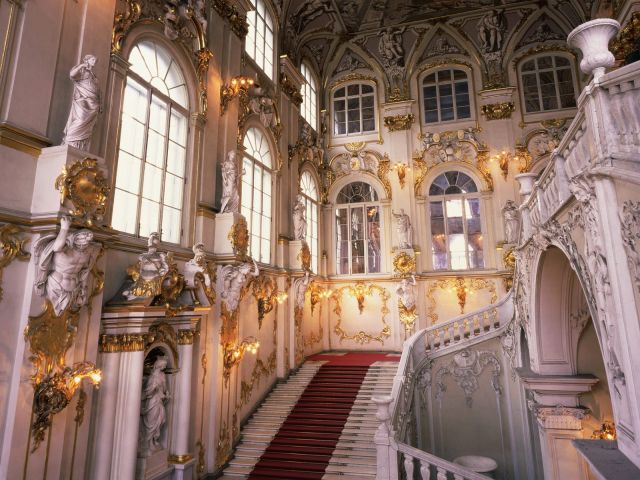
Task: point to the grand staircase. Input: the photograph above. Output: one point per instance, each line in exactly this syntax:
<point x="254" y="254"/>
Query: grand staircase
<point x="319" y="424"/>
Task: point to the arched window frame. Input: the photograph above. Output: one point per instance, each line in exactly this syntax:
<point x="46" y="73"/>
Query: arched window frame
<point x="536" y="59"/>
<point x="338" y="234"/>
<point x="373" y="95"/>
<point x="444" y="232"/>
<point x="470" y="89"/>
<point x="184" y="67"/>
<point x="258" y="210"/>
<point x="310" y="192"/>
<point x="260" y="42"/>
<point x="309" y="96"/>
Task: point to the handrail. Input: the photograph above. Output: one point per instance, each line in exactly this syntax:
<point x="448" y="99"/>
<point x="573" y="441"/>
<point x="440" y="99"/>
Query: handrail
<point x="436" y="340"/>
<point x="442" y="466"/>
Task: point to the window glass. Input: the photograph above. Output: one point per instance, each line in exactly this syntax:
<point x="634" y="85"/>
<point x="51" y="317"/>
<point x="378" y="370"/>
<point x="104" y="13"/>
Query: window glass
<point x="445" y="96"/>
<point x="260" y="39"/>
<point x="309" y="97"/>
<point x="358" y="248"/>
<point x="255" y="203"/>
<point x="354" y="110"/>
<point x="456" y="228"/>
<point x="547" y="84"/>
<point x="151" y="165"/>
<point x="309" y="191"/>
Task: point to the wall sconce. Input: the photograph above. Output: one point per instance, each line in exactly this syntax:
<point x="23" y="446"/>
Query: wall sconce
<point x="607" y="432"/>
<point x="233" y="354"/>
<point x="53" y="393"/>
<point x="281" y="297"/>
<point x="239" y="85"/>
<point x="401" y="168"/>
<point x="521" y="160"/>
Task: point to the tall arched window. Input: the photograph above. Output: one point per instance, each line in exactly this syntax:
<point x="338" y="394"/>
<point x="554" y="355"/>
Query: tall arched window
<point x="357" y="229"/>
<point x="259" y="40"/>
<point x="256" y="193"/>
<point x="309" y="97"/>
<point x="445" y="94"/>
<point x="354" y="109"/>
<point x="456" y="229"/>
<point x="310" y="193"/>
<point x="547" y="84"/>
<point x="152" y="151"/>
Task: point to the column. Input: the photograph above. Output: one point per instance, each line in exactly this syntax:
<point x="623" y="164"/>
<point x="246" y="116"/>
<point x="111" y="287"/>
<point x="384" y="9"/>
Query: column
<point x="182" y="398"/>
<point x="127" y="418"/>
<point x="106" y="409"/>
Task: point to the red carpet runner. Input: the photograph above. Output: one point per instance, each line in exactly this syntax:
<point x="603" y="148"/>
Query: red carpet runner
<point x="303" y="446"/>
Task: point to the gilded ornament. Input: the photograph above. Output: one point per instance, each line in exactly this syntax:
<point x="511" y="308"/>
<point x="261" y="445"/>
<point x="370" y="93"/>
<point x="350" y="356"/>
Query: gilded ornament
<point x="163" y="333"/>
<point x="421" y="169"/>
<point x="384" y="167"/>
<point x="230" y="14"/>
<point x="234" y="353"/>
<point x="397" y="123"/>
<point x="404" y="264"/>
<point x="359" y="291"/>
<point x="201" y="465"/>
<point x="203" y="56"/>
<point x="460" y="287"/>
<point x="186" y="336"/>
<point x="408" y="316"/>
<point x="181" y="459"/>
<point x="260" y="369"/>
<point x="239" y="238"/>
<point x="122" y="24"/>
<point x="304" y="256"/>
<point x="509" y="259"/>
<point x="223" y="449"/>
<point x="86" y="187"/>
<point x="627" y="41"/>
<point x="498" y="111"/>
<point x="354" y="147"/>
<point x="290" y="89"/>
<point x="349" y="78"/>
<point x="265" y="292"/>
<point x="122" y="342"/>
<point x="12" y="247"/>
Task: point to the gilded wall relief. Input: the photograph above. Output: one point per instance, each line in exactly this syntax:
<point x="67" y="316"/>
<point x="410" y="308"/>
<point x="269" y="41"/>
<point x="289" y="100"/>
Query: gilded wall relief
<point x="11" y="247"/>
<point x="261" y="369"/>
<point x="359" y="292"/>
<point x="460" y="287"/>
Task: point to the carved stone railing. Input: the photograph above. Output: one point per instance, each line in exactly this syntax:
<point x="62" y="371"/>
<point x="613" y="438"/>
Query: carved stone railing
<point x="393" y="411"/>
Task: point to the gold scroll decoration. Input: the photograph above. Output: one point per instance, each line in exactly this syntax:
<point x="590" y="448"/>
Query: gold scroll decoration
<point x="397" y="123"/>
<point x="86" y="187"/>
<point x="359" y="292"/>
<point x="404" y="264"/>
<point x="384" y="167"/>
<point x="11" y="247"/>
<point x="460" y="286"/>
<point x="498" y="111"/>
<point x="304" y="256"/>
<point x="239" y="238"/>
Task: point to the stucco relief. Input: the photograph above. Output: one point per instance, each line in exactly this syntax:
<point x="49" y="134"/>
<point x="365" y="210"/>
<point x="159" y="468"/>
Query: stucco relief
<point x="466" y="368"/>
<point x="630" y="221"/>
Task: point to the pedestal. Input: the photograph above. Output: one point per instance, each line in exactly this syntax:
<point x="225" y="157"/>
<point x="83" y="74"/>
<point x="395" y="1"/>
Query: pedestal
<point x="224" y="228"/>
<point x="46" y="199"/>
<point x="298" y="252"/>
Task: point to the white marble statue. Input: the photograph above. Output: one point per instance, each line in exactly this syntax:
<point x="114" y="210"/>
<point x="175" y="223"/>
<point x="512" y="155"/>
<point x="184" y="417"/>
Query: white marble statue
<point x="491" y="30"/>
<point x="230" y="196"/>
<point x="85" y="105"/>
<point x="391" y="48"/>
<point x="511" y="217"/>
<point x="406" y="292"/>
<point x="152" y="266"/>
<point x="404" y="229"/>
<point x="234" y="278"/>
<point x="64" y="264"/>
<point x="300" y="286"/>
<point x="198" y="269"/>
<point x="299" y="219"/>
<point x="155" y="395"/>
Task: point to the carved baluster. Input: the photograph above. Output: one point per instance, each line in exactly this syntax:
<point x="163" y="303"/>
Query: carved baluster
<point x="442" y="474"/>
<point x="451" y="334"/>
<point x="486" y="323"/>
<point x="408" y="466"/>
<point x="432" y="341"/>
<point x="476" y="325"/>
<point x="425" y="472"/>
<point x="441" y="333"/>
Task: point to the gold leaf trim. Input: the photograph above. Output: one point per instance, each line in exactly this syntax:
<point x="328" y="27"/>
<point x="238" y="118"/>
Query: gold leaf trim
<point x="360" y="291"/>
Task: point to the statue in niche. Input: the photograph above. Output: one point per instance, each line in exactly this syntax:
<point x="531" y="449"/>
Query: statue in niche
<point x="149" y="272"/>
<point x="491" y="30"/>
<point x="155" y="395"/>
<point x="299" y="219"/>
<point x="406" y="292"/>
<point x="511" y="217"/>
<point x="64" y="264"/>
<point x="262" y="104"/>
<point x="404" y="229"/>
<point x="310" y="10"/>
<point x="230" y="197"/>
<point x="234" y="278"/>
<point x="85" y="105"/>
<point x="390" y="47"/>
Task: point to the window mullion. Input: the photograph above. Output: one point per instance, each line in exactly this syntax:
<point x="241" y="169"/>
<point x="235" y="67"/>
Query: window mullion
<point x="164" y="169"/>
<point x="465" y="232"/>
<point x="143" y="160"/>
